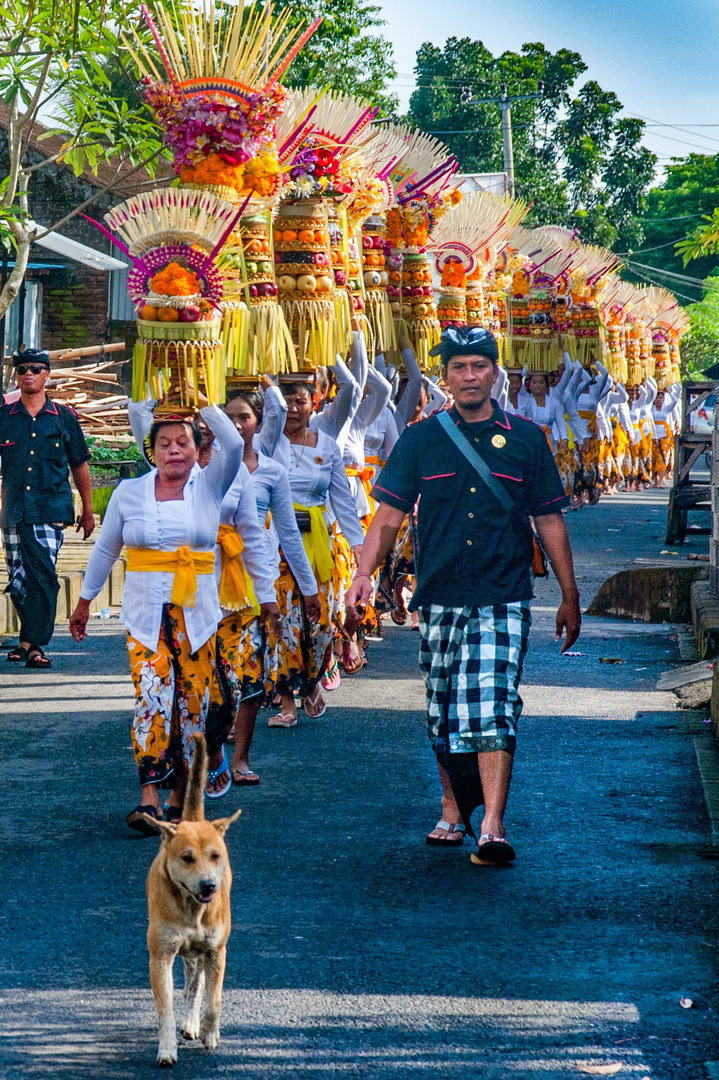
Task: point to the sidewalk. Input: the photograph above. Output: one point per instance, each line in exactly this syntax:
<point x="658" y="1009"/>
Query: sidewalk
<point x="357" y="950"/>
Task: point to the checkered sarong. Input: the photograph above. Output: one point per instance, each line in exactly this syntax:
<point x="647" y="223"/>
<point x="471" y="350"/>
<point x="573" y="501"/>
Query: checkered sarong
<point x="48" y="536"/>
<point x="471" y="659"/>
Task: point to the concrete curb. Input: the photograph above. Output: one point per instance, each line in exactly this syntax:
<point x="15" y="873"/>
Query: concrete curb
<point x="708" y="762"/>
<point x="70" y="584"/>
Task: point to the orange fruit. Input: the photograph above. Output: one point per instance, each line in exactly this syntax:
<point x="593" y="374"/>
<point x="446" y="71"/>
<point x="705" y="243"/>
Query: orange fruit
<point x="306" y="236"/>
<point x="167" y="314"/>
<point x="148" y="313"/>
<point x="288" y="235"/>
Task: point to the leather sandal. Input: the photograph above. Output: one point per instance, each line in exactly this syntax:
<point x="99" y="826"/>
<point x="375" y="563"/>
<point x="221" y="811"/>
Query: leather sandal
<point x="136" y="819"/>
<point x="36" y="659"/>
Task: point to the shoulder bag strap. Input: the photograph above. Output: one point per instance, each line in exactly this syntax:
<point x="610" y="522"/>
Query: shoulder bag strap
<point x="478" y="463"/>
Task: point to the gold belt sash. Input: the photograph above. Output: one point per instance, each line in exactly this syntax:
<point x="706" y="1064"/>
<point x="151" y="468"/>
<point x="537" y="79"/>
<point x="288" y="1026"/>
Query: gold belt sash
<point x="236" y="590"/>
<point x="365" y="477"/>
<point x="185" y="564"/>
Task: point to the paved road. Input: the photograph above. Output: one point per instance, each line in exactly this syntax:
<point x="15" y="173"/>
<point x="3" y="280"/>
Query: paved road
<point x="358" y="951"/>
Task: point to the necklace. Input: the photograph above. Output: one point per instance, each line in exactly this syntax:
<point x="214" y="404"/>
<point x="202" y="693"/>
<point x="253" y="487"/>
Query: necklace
<point x="298" y="460"/>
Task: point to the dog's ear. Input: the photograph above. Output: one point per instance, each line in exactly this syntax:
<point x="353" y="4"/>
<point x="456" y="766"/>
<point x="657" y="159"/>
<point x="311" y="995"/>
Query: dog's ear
<point x="167" y="828"/>
<point x="222" y="824"/>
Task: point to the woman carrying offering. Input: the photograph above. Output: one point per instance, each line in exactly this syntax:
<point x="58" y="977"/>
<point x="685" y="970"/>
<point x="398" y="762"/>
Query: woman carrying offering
<point x="169" y="520"/>
<point x="274" y="509"/>
<point x="317" y="475"/>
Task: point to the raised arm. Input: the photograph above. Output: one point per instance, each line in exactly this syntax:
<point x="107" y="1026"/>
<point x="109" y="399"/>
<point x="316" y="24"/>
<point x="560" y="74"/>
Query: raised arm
<point x="336" y="416"/>
<point x="500" y="388"/>
<point x="410" y="397"/>
<point x="377" y="396"/>
<point x="438" y="398"/>
<point x="139" y="413"/>
<point x="221" y="471"/>
<point x="274" y="415"/>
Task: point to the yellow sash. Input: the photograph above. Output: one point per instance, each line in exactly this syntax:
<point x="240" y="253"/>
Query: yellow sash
<point x="317" y="542"/>
<point x="186" y="565"/>
<point x="365" y="476"/>
<point x="236" y="591"/>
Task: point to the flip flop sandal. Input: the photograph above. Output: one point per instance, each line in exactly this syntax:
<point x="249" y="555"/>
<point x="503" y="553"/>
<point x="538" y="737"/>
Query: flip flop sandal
<point x="283" y="720"/>
<point x="174" y="814"/>
<point x="452" y="829"/>
<point x="314" y="705"/>
<point x="494" y="850"/>
<point x="17" y="655"/>
<point x="399" y="618"/>
<point x="136" y="819"/>
<point x="244" y="777"/>
<point x="212" y="775"/>
<point x="36" y="659"/>
<point x="331" y="678"/>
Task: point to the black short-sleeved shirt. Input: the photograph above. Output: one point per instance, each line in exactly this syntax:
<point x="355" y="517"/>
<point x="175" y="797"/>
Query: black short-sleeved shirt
<point x="471" y="551"/>
<point x="37" y="452"/>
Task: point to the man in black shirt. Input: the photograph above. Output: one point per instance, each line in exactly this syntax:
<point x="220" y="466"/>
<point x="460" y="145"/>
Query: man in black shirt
<point x="40" y="441"/>
<point x="473" y="562"/>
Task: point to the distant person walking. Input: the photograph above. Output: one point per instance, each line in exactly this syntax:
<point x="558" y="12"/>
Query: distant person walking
<point x="479" y="475"/>
<point x="41" y="443"/>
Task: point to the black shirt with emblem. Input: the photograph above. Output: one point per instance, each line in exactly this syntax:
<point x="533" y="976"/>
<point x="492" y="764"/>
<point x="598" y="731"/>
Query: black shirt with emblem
<point x="472" y="550"/>
<point x="37" y="452"/>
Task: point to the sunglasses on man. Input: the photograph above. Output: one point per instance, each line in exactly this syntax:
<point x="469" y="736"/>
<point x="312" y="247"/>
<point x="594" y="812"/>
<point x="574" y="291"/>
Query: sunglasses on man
<point x="34" y="369"/>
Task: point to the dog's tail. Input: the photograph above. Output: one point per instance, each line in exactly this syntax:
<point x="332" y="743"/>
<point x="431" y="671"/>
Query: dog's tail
<point x="193" y="808"/>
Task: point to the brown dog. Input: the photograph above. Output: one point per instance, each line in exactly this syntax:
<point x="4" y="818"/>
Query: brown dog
<point x="188" y="894"/>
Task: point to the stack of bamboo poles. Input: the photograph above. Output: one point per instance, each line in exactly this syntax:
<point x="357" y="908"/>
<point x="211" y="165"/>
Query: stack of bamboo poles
<point x="94" y="388"/>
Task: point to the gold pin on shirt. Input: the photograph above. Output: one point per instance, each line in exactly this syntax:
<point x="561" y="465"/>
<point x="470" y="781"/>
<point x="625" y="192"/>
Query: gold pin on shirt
<point x="498" y="441"/>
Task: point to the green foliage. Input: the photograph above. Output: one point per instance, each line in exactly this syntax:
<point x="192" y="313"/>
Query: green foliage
<point x="102" y="451"/>
<point x="689" y="193"/>
<point x="580" y="163"/>
<point x="344" y="53"/>
<point x="700" y="348"/>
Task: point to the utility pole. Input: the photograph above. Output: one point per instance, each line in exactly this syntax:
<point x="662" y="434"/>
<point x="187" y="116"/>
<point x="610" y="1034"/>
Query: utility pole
<point x="505" y="105"/>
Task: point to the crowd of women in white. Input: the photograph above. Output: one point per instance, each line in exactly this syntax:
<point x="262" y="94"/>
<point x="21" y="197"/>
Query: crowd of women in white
<point x="240" y="545"/>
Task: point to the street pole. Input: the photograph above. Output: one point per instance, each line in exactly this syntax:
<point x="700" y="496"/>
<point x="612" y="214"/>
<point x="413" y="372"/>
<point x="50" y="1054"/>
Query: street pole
<point x="506" y="107"/>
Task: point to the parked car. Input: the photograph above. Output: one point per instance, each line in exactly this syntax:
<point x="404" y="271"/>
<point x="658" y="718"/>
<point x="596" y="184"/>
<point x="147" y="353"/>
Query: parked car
<point x="703" y="417"/>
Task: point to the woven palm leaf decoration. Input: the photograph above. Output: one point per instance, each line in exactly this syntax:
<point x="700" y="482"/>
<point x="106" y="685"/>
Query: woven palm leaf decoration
<point x="212" y="77"/>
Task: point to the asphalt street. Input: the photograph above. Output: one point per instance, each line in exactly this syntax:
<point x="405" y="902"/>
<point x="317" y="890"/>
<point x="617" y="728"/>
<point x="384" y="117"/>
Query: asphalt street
<point x="357" y="950"/>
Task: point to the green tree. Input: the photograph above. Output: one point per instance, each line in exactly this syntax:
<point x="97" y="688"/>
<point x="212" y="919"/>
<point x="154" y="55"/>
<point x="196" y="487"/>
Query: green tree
<point x="674" y="208"/>
<point x="700" y="348"/>
<point x="51" y="57"/>
<point x="344" y="53"/>
<point x="579" y="163"/>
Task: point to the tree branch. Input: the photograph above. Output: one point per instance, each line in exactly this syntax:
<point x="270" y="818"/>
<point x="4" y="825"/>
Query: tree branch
<point x="120" y="179"/>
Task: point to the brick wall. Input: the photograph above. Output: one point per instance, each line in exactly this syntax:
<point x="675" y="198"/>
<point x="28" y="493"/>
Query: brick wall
<point x="74" y="308"/>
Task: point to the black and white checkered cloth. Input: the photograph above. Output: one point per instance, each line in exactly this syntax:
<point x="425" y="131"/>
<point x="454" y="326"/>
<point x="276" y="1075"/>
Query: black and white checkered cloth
<point x="48" y="536"/>
<point x="471" y="659"/>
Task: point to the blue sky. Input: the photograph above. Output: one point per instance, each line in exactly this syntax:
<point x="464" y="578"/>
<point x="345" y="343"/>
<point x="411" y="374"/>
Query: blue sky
<point x="661" y="58"/>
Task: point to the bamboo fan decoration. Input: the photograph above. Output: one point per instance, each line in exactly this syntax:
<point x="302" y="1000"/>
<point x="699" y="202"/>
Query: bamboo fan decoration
<point x="590" y="269"/>
<point x="220" y="96"/>
<point x="420" y="169"/>
<point x="540" y="264"/>
<point x="465" y="243"/>
<point x="172" y="216"/>
<point x="311" y="242"/>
